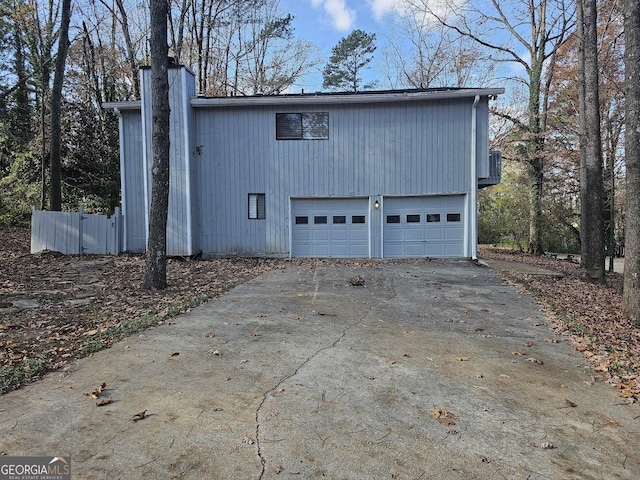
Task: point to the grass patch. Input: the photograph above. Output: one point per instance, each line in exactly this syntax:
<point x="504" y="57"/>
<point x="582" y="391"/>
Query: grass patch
<point x="14" y="376"/>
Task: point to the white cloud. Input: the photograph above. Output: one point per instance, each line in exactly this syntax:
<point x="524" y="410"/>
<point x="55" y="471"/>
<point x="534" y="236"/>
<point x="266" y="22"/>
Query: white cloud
<point x="342" y="17"/>
<point x="380" y="8"/>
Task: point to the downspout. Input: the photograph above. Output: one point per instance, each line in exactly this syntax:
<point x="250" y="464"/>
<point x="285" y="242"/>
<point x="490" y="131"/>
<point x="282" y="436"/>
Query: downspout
<point x="473" y="200"/>
<point x="123" y="189"/>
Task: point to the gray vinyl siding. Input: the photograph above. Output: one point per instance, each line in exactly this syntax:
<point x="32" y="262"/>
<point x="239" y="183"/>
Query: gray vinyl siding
<point x="401" y="148"/>
<point x="181" y="233"/>
<point x="133" y="200"/>
<point x="482" y="139"/>
<point x="388" y="144"/>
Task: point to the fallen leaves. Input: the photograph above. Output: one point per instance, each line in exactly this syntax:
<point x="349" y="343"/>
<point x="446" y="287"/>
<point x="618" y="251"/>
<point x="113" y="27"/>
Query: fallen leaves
<point x="445" y="417"/>
<point x="96" y="392"/>
<point x="83" y="304"/>
<point x="589" y="315"/>
<point x="463" y="359"/>
<point x="535" y="360"/>
<point x="103" y="401"/>
<point x="139" y="416"/>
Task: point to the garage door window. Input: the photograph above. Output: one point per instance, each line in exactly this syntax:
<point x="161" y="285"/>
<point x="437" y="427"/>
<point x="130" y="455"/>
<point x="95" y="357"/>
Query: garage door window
<point x="453" y="217"/>
<point x="357" y="219"/>
<point x="339" y="219"/>
<point x="320" y="219"/>
<point x="433" y="217"/>
<point x="413" y="218"/>
<point x="302" y="220"/>
<point x="393" y="218"/>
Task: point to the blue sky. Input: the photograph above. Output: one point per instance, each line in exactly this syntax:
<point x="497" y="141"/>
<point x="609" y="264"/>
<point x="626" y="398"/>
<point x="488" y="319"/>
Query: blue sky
<point x="325" y="22"/>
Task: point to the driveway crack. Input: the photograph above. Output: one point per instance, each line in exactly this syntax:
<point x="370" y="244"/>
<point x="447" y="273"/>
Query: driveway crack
<point x="266" y="394"/>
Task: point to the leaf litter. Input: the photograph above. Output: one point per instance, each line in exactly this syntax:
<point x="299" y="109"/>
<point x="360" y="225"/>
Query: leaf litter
<point x="587" y="315"/>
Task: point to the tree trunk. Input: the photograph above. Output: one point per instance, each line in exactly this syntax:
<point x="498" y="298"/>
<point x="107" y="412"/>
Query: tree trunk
<point x="155" y="275"/>
<point x="535" y="159"/>
<point x="631" y="297"/>
<point x="591" y="185"/>
<point x="55" y="192"/>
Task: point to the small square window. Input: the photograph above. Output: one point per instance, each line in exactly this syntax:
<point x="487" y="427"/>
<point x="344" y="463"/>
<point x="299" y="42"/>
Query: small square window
<point x="257" y="206"/>
<point x="413" y="218"/>
<point x="320" y="219"/>
<point x="393" y="218"/>
<point x="302" y="220"/>
<point x="339" y="219"/>
<point x="433" y="217"/>
<point x="453" y="217"/>
<point x="357" y="219"/>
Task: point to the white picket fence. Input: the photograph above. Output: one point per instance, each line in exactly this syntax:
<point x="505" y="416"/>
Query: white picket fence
<point x="76" y="233"/>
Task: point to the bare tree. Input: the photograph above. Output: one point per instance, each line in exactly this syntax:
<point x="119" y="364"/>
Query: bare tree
<point x="539" y="28"/>
<point x="274" y="58"/>
<point x="425" y="54"/>
<point x="631" y="297"/>
<point x="155" y="275"/>
<point x="591" y="185"/>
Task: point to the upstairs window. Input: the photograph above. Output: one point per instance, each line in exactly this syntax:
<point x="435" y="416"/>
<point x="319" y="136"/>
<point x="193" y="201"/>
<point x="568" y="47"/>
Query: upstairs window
<point x="302" y="126"/>
<point x="257" y="206"/>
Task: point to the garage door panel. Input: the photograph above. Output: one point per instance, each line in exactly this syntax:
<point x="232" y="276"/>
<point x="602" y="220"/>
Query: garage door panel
<point x="454" y="234"/>
<point x="339" y="235"/>
<point x="434" y="250"/>
<point x="423" y="226"/>
<point x="413" y="235"/>
<point x="319" y="235"/>
<point x="338" y="227"/>
<point x="435" y="234"/>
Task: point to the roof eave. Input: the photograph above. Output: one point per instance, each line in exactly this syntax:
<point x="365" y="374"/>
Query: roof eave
<point x="357" y="98"/>
<point x="116" y="106"/>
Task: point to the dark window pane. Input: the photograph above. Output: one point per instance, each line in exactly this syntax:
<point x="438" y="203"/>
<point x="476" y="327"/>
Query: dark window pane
<point x="302" y="220"/>
<point x="393" y="218"/>
<point x="413" y="218"/>
<point x="433" y="217"/>
<point x="288" y="126"/>
<point x="339" y="219"/>
<point x="453" y="217"/>
<point x="320" y="219"/>
<point x="357" y="219"/>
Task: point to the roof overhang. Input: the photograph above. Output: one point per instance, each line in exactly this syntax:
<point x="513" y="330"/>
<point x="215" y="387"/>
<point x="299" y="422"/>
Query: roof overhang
<point x="324" y="98"/>
<point x="345" y="98"/>
<point x="118" y="106"/>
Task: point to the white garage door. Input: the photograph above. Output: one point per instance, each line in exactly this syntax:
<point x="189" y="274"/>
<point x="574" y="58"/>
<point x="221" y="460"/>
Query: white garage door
<point x="330" y="227"/>
<point x="423" y="227"/>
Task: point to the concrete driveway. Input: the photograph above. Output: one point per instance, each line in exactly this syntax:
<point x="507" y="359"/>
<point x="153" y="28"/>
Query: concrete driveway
<point x="431" y="369"/>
